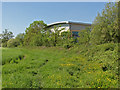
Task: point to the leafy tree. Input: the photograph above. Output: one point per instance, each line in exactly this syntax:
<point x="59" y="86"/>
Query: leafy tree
<point x="105" y="27"/>
<point x="67" y="40"/>
<point x="56" y="35"/>
<point x="37" y="40"/>
<point x="13" y="43"/>
<point x="37" y="27"/>
<point x="84" y="36"/>
<point x="6" y="35"/>
<point x="20" y="38"/>
<point x="4" y="44"/>
<point x="59" y="37"/>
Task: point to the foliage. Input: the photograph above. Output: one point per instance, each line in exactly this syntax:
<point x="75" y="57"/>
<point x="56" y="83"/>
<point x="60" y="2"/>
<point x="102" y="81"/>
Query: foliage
<point x="6" y="35"/>
<point x="105" y="27"/>
<point x="13" y="43"/>
<point x="45" y="37"/>
<point x="20" y="38"/>
<point x="54" y="67"/>
<point x="84" y="36"/>
<point x="34" y="29"/>
<point x="4" y="44"/>
<point x="92" y="62"/>
<point x="7" y="56"/>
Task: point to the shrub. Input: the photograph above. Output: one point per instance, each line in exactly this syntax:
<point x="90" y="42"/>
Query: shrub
<point x="4" y="44"/>
<point x="67" y="46"/>
<point x="84" y="36"/>
<point x="105" y="27"/>
<point x="13" y="43"/>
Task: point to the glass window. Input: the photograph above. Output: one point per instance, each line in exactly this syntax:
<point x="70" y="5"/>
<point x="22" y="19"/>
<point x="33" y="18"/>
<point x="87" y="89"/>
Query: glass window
<point x="75" y="34"/>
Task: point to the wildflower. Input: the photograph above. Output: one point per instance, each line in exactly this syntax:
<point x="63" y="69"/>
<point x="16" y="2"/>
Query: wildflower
<point x="108" y="79"/>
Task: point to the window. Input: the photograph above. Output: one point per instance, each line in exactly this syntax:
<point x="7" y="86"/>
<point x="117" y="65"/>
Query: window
<point x="75" y="34"/>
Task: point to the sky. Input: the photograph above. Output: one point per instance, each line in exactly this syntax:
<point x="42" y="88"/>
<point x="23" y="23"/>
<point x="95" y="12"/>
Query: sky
<point x="17" y="16"/>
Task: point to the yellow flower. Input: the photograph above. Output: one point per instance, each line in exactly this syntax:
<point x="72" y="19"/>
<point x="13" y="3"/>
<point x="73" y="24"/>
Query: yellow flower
<point x="108" y="79"/>
<point x="57" y="83"/>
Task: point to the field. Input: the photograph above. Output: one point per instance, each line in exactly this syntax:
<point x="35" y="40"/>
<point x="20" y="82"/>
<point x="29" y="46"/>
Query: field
<point x="55" y="67"/>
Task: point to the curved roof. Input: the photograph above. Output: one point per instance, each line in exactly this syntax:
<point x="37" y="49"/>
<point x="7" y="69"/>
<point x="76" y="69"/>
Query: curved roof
<point x="66" y="22"/>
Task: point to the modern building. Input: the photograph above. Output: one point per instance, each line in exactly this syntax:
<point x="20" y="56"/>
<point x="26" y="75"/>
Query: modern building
<point x="74" y="27"/>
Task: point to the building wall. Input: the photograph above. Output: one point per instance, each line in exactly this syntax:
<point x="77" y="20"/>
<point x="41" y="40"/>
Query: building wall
<point x="62" y="26"/>
<point x="78" y="27"/>
<point x="75" y="28"/>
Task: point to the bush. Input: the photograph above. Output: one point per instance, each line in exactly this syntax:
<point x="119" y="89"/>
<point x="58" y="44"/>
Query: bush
<point x="4" y="44"/>
<point x="84" y="36"/>
<point x="13" y="43"/>
<point x="67" y="46"/>
<point x="105" y="27"/>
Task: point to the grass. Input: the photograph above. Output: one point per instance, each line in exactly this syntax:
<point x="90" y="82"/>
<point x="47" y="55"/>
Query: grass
<point x="56" y="67"/>
<point x="11" y="54"/>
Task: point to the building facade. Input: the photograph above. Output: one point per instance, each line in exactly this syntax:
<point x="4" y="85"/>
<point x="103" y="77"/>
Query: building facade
<point x="74" y="27"/>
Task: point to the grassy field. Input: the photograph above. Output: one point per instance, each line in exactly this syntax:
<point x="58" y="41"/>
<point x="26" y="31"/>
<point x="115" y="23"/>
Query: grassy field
<point x="55" y="67"/>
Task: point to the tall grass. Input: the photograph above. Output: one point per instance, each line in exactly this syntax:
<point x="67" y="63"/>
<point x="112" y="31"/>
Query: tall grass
<point x="9" y="54"/>
<point x="57" y="67"/>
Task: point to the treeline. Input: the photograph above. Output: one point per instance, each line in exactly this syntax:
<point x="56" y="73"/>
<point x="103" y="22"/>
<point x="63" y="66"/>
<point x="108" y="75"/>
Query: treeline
<point x="104" y="29"/>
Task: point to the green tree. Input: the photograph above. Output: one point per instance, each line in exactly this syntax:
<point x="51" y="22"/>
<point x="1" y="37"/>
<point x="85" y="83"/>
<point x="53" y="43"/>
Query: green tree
<point x="56" y="35"/>
<point x="105" y="27"/>
<point x="37" y="27"/>
<point x="6" y="35"/>
<point x="67" y="40"/>
<point x="84" y="36"/>
<point x="20" y="38"/>
<point x="53" y="37"/>
<point x="13" y="43"/>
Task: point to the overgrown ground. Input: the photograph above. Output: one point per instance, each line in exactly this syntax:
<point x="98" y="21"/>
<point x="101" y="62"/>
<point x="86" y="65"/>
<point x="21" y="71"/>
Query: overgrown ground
<point x="55" y="67"/>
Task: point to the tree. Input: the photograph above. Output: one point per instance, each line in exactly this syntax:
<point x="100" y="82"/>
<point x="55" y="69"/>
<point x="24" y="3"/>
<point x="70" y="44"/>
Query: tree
<point x="13" y="43"/>
<point x="84" y="36"/>
<point x="37" y="27"/>
<point x="6" y="35"/>
<point x="56" y="35"/>
<point x="20" y="38"/>
<point x="105" y="27"/>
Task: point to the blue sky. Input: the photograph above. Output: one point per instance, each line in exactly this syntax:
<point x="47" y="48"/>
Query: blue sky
<point x="16" y="17"/>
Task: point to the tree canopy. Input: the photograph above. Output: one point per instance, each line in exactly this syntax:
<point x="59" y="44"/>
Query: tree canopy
<point x="37" y="27"/>
<point x="105" y="27"/>
<point x="6" y="35"/>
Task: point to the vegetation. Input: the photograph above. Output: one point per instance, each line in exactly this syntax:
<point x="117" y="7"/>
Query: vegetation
<point x="105" y="28"/>
<point x="12" y="43"/>
<point x="20" y="39"/>
<point x="84" y="36"/>
<point x="32" y="32"/>
<point x="5" y="36"/>
<point x="8" y="57"/>
<point x="44" y="67"/>
<point x="42" y="36"/>
<point x="88" y="61"/>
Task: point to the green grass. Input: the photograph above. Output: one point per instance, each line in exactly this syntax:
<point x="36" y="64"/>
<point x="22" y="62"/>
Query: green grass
<point x="55" y="67"/>
<point x="11" y="54"/>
